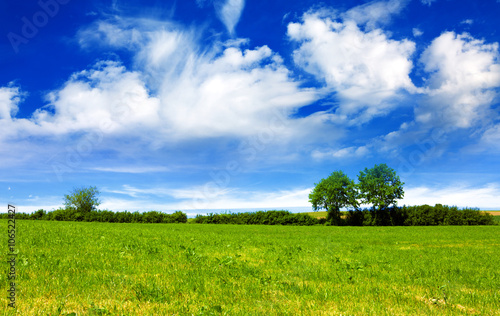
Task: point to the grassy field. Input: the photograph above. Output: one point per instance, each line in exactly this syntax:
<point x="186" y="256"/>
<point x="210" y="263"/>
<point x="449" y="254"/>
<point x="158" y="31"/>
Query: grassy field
<point x="72" y="268"/>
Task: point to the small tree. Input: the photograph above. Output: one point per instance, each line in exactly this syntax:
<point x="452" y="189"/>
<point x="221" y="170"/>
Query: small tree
<point x="83" y="200"/>
<point x="38" y="214"/>
<point x="333" y="193"/>
<point x="380" y="186"/>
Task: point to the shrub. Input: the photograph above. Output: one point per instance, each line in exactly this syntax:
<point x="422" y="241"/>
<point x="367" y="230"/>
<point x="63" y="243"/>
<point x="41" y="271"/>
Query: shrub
<point x="258" y="218"/>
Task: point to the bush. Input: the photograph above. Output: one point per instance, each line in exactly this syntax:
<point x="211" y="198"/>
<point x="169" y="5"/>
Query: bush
<point x="258" y="218"/>
<point x="421" y="215"/>
<point x="73" y="214"/>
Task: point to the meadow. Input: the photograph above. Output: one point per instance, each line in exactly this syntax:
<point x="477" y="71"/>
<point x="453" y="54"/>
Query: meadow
<point x="79" y="268"/>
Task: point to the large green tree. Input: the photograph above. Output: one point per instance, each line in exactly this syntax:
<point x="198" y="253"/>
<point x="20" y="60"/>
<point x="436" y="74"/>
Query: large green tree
<point x="380" y="186"/>
<point x="333" y="193"/>
<point x="83" y="200"/>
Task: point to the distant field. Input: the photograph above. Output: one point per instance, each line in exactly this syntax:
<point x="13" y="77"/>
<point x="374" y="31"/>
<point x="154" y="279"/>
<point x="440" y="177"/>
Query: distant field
<point x="317" y="214"/>
<point x="75" y="268"/>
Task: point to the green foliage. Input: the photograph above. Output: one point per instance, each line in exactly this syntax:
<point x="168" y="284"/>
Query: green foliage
<point x="104" y="216"/>
<point x="178" y="217"/>
<point x="333" y="193"/>
<point x="422" y="215"/>
<point x="380" y="186"/>
<point x="83" y="200"/>
<point x="40" y="214"/>
<point x="259" y="218"/>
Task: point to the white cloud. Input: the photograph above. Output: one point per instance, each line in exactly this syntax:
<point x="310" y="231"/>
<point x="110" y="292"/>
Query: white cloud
<point x="375" y="13"/>
<point x="464" y="73"/>
<point x="417" y="32"/>
<point x="229" y="12"/>
<point x="137" y="192"/>
<point x="221" y="92"/>
<point x="460" y="195"/>
<point x="490" y="140"/>
<point x="233" y="89"/>
<point x="132" y="169"/>
<point x="366" y="70"/>
<point x="9" y="100"/>
<point x="107" y="98"/>
<point x="459" y="92"/>
<point x="224" y="91"/>
<point x="348" y="152"/>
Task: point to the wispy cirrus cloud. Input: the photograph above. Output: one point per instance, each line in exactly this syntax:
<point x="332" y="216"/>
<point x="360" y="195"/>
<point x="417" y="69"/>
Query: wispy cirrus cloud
<point x="131" y="169"/>
<point x="229" y="12"/>
<point x="375" y="13"/>
<point x="428" y="2"/>
<point x="343" y="153"/>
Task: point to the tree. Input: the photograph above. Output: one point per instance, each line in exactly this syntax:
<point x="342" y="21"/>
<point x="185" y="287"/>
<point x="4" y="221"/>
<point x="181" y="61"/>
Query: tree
<point x="38" y="214"/>
<point x="83" y="200"/>
<point x="333" y="193"/>
<point x="380" y="186"/>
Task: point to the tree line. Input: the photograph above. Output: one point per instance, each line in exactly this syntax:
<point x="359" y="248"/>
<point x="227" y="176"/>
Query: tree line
<point x="419" y="215"/>
<point x="423" y="215"/>
<point x="70" y="214"/>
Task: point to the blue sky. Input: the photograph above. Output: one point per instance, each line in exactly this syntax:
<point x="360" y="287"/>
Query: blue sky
<point x="209" y="104"/>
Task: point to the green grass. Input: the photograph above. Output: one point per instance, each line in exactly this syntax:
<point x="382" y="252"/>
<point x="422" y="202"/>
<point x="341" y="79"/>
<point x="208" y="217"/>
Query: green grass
<point x="189" y="269"/>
